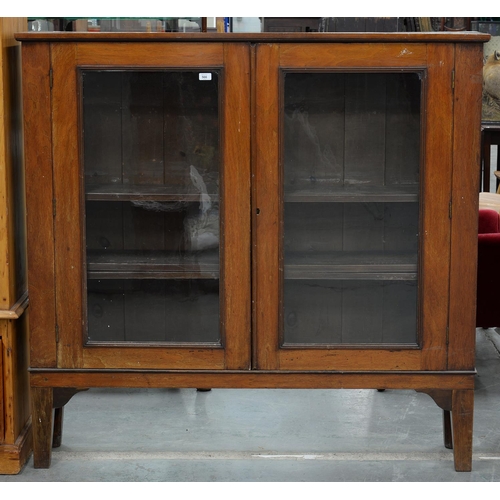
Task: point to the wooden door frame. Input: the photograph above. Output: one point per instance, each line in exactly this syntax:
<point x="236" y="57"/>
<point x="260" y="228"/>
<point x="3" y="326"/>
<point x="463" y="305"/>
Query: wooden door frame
<point x="66" y="58"/>
<point x="437" y="60"/>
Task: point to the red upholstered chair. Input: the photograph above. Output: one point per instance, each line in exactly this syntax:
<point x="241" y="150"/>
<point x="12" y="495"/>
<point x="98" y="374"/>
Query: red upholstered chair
<point x="488" y="269"/>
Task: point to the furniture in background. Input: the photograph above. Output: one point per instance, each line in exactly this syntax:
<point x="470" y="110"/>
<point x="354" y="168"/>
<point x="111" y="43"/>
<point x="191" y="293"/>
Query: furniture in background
<point x="363" y="24"/>
<point x="455" y="23"/>
<point x="15" y="425"/>
<point x="489" y="200"/>
<point x="290" y="24"/>
<point x="490" y="136"/>
<point x="488" y="269"/>
<point x="253" y="211"/>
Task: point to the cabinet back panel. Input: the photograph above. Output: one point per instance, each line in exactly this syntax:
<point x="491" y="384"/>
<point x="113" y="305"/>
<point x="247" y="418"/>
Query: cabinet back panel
<point x="175" y="311"/>
<point x="142" y="128"/>
<point x="402" y="149"/>
<point x="314" y="122"/>
<point x="363" y="227"/>
<point x="150" y="128"/>
<point x="104" y="227"/>
<point x="365" y="116"/>
<point x="360" y="129"/>
<point x="112" y="226"/>
<point x="102" y="121"/>
<point x="350" y="312"/>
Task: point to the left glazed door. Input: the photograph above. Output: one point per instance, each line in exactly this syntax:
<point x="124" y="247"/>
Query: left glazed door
<point x="151" y="219"/>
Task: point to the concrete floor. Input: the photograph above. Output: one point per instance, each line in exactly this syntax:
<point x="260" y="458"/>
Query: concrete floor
<point x="272" y="435"/>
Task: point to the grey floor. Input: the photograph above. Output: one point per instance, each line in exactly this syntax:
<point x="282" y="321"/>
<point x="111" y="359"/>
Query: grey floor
<point x="154" y="435"/>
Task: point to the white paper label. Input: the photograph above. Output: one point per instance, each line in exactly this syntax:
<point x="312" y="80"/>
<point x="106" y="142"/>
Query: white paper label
<point x="205" y="76"/>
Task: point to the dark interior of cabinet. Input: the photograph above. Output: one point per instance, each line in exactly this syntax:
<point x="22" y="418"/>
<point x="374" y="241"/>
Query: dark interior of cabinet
<point x="151" y="167"/>
<point x="153" y="310"/>
<point x="351" y="166"/>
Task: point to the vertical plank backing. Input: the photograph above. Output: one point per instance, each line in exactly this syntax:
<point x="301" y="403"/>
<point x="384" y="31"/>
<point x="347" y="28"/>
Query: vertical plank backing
<point x="106" y="310"/>
<point x="145" y="310"/>
<point x="104" y="228"/>
<point x="39" y="193"/>
<point x="400" y="312"/>
<point x="313" y="129"/>
<point x="466" y="148"/>
<point x="143" y="229"/>
<point x="401" y="227"/>
<point x="191" y="128"/>
<point x="142" y="128"/>
<point x="68" y="219"/>
<point x="312" y="227"/>
<point x="362" y="311"/>
<point x="365" y="116"/>
<point x="266" y="202"/>
<point x="436" y="193"/>
<point x="403" y="123"/>
<point x="102" y="117"/>
<point x="363" y="227"/>
<point x="236" y="244"/>
<point x="312" y="311"/>
<point x="102" y="160"/>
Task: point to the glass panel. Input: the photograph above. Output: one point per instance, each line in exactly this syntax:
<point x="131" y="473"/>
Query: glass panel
<point x="351" y="208"/>
<point x="151" y="166"/>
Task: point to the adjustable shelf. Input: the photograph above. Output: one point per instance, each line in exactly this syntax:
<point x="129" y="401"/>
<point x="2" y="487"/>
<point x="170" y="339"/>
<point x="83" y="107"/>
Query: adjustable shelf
<point x="351" y="266"/>
<point x="137" y="192"/>
<point x="152" y="265"/>
<point x="321" y="192"/>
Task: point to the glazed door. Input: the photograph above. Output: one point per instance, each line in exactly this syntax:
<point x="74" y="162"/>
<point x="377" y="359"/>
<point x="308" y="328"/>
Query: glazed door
<point x="352" y="206"/>
<point x="152" y="189"/>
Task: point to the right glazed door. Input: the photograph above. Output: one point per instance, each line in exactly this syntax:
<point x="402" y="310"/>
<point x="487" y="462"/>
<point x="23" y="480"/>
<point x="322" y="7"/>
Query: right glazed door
<point x="353" y="200"/>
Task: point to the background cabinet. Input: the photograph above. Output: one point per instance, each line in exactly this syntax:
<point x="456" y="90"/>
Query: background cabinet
<point x="15" y="424"/>
<point x="334" y="179"/>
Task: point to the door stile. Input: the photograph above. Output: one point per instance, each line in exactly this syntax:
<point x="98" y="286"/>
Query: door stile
<point x="266" y="208"/>
<point x="235" y="265"/>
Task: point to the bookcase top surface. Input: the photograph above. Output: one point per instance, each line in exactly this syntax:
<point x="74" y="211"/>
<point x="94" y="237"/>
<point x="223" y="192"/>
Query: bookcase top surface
<point x="344" y="37"/>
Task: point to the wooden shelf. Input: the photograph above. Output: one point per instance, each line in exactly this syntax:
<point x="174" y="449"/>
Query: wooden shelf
<point x="153" y="265"/>
<point x="351" y="266"/>
<point x="137" y="192"/>
<point x="321" y="192"/>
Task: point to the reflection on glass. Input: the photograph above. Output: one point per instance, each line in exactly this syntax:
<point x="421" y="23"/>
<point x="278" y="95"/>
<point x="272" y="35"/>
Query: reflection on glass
<point x="151" y="166"/>
<point x="351" y="208"/>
